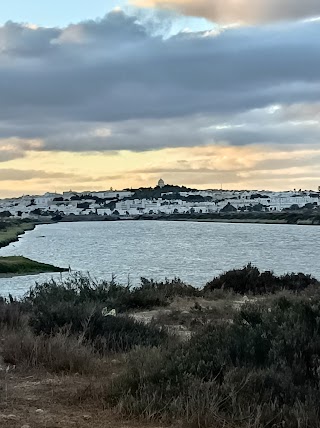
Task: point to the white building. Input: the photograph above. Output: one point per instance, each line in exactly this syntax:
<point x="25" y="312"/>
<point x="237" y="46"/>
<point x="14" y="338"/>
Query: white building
<point x="161" y="183"/>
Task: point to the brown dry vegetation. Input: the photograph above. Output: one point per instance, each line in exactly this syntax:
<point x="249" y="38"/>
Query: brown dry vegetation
<point x="42" y="400"/>
<point x="173" y="356"/>
<point x="56" y="382"/>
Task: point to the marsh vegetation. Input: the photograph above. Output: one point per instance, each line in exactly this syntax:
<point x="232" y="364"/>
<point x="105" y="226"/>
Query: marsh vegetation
<point x="10" y="229"/>
<point x="247" y="361"/>
<point x="18" y="265"/>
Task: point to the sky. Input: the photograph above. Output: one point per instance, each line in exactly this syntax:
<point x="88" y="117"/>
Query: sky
<point x="58" y="13"/>
<point x="117" y="94"/>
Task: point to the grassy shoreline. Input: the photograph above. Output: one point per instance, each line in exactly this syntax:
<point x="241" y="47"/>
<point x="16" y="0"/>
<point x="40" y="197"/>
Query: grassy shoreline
<point x="294" y="218"/>
<point x="17" y="265"/>
<point x="253" y="221"/>
<point x="306" y="218"/>
<point x="242" y="221"/>
<point x="12" y="230"/>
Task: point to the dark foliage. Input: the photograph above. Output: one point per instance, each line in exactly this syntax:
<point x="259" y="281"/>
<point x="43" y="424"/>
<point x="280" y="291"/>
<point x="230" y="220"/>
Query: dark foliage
<point x="120" y="334"/>
<point x="78" y="302"/>
<point x="168" y="289"/>
<point x="5" y="214"/>
<point x="250" y="280"/>
<point x="253" y="214"/>
<point x="11" y="313"/>
<point x="154" y="193"/>
<point x="79" y="290"/>
<point x="263" y="367"/>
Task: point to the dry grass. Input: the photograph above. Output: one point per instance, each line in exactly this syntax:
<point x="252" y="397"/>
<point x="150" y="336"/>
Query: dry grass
<point x="41" y="400"/>
<point x="227" y="375"/>
<point x="55" y="382"/>
<point x="185" y="315"/>
<point x="61" y="353"/>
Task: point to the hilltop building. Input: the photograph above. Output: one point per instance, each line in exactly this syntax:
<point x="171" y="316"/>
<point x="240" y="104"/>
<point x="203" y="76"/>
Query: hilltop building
<point x="161" y="183"/>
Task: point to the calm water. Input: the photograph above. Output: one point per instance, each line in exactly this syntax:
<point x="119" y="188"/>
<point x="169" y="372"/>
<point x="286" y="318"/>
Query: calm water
<point x="195" y="252"/>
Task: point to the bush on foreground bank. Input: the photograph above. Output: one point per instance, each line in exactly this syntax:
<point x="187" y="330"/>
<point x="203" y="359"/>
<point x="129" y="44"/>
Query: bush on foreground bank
<point x="80" y="289"/>
<point x="250" y="280"/>
<point x="260" y="368"/>
<point x="74" y="307"/>
<point x="82" y="293"/>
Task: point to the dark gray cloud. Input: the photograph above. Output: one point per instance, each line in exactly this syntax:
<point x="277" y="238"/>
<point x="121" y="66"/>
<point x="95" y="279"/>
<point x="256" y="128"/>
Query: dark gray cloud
<point x="111" y="85"/>
<point x="245" y="11"/>
<point x="260" y="126"/>
<point x="20" y="41"/>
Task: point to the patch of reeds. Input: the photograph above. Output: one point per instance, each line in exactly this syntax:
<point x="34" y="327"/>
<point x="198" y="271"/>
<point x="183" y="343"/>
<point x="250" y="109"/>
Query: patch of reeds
<point x="60" y="353"/>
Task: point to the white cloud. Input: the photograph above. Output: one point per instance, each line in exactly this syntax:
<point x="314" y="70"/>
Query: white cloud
<point x="239" y="11"/>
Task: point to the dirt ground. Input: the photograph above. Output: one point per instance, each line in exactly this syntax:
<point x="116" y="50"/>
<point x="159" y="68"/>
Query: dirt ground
<point x="47" y="401"/>
<point x="37" y="399"/>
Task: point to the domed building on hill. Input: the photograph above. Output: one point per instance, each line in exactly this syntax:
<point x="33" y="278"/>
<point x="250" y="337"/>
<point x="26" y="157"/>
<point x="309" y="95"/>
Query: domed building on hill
<point x="161" y="183"/>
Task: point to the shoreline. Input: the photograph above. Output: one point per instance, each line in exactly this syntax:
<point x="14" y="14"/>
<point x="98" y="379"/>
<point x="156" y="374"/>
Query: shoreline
<point x="12" y="266"/>
<point x="16" y="275"/>
<point x="14" y="231"/>
<point x="250" y="221"/>
<point x="263" y="220"/>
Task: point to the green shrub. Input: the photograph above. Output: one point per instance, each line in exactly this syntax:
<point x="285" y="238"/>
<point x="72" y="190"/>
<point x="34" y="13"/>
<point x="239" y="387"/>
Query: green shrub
<point x="78" y="289"/>
<point x="250" y="280"/>
<point x="262" y="367"/>
<point x="11" y="314"/>
<point x="169" y="289"/>
<point x="77" y="304"/>
<point x="121" y="334"/>
<point x="78" y="300"/>
<point x="49" y="319"/>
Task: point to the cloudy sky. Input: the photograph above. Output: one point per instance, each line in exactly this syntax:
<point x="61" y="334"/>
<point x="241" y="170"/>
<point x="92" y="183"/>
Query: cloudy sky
<point x="202" y="93"/>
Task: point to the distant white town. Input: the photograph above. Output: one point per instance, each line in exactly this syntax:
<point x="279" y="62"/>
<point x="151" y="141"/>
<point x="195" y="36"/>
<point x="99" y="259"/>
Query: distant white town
<point x="160" y="200"/>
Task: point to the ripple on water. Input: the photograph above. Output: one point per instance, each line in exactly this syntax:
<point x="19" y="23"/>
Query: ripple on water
<point x="195" y="252"/>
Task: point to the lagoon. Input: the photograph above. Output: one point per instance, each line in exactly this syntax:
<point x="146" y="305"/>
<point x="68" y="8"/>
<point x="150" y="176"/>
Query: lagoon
<point x="193" y="251"/>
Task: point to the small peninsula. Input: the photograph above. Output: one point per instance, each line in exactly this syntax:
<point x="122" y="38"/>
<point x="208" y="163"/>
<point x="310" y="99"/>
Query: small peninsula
<point x="18" y="265"/>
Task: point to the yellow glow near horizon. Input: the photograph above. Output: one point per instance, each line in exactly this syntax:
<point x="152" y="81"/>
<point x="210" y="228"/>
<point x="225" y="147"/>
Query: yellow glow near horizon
<point x="246" y="167"/>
